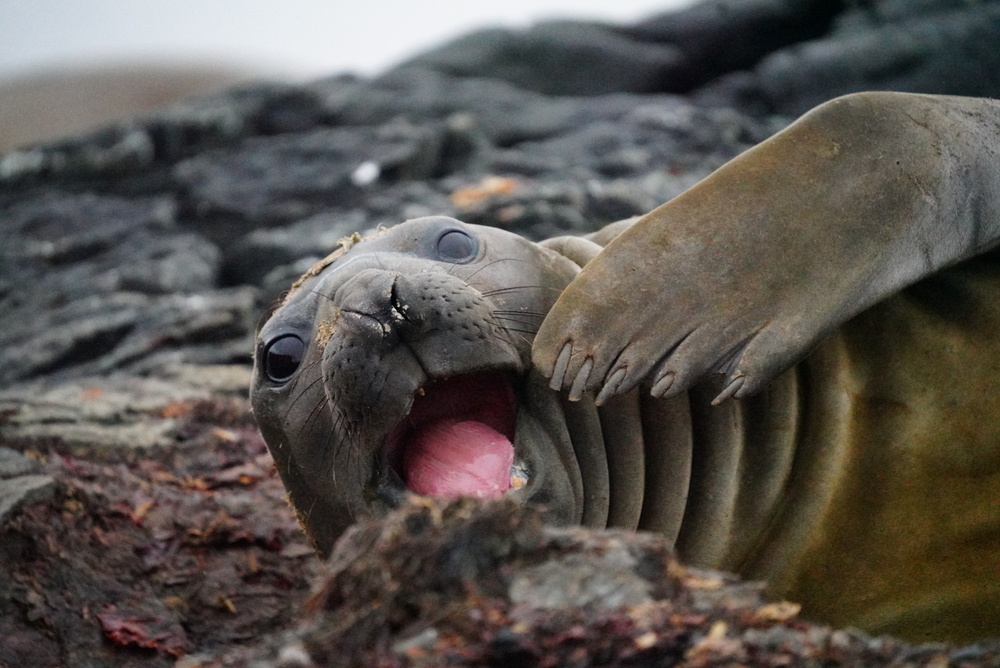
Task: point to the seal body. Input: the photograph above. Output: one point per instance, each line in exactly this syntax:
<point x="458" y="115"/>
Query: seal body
<point x="861" y="481"/>
<point x="909" y="537"/>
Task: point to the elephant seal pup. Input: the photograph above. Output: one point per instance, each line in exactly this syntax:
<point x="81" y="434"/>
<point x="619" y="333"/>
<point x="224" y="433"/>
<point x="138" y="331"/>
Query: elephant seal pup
<point x="861" y="482"/>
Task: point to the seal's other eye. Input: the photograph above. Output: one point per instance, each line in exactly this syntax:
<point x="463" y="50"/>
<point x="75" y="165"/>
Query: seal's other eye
<point x="456" y="246"/>
<point x="282" y="357"/>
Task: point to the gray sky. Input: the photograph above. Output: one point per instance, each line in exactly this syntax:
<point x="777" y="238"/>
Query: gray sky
<point x="294" y="37"/>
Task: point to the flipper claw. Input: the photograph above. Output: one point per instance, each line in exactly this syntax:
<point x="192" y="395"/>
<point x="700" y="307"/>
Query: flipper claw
<point x="662" y="384"/>
<point x="559" y="372"/>
<point x="580" y="383"/>
<point x="731" y="389"/>
<point x="611" y="386"/>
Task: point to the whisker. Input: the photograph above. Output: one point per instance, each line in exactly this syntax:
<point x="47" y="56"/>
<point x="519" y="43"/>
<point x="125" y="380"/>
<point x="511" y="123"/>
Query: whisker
<point x="313" y="414"/>
<point x="515" y="288"/>
<point x="313" y="291"/>
<point x="328" y="450"/>
<point x="489" y="264"/>
<point x="518" y="323"/>
<point x="518" y="332"/>
<point x="521" y="331"/>
<point x="269" y="311"/>
<point x="526" y="313"/>
<point x="505" y="332"/>
<point x="301" y="394"/>
<point x="498" y="331"/>
<point x="519" y="319"/>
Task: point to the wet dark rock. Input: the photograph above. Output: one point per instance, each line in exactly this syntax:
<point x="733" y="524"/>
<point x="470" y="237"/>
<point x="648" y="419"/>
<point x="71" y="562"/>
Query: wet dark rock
<point x="468" y="584"/>
<point x="942" y="49"/>
<point x="769" y="56"/>
<point x="165" y="136"/>
<point x="288" y="177"/>
<point x="723" y="36"/>
<point x="13" y="464"/>
<point x="21" y="483"/>
<point x="252" y="257"/>
<point x="109" y="418"/>
<point x="559" y="58"/>
<point x="102" y="333"/>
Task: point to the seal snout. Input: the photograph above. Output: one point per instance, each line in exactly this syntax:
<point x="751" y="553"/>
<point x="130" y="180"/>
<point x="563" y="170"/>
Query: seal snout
<point x="417" y="368"/>
<point x="371" y="298"/>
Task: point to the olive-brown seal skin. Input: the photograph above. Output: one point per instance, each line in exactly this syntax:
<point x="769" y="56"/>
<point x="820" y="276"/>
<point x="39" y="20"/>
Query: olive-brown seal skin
<point x="745" y="273"/>
<point x="860" y="240"/>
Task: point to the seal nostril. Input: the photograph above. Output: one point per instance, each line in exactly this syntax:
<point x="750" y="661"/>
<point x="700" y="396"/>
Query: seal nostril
<point x="394" y="303"/>
<point x="400" y="310"/>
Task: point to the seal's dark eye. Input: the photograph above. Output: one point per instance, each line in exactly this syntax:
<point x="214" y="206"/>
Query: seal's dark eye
<point x="456" y="246"/>
<point x="282" y="357"/>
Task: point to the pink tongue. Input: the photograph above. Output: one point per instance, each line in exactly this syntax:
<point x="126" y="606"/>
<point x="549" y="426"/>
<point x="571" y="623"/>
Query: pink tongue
<point x="451" y="458"/>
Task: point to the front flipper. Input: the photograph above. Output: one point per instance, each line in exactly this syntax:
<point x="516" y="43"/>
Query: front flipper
<point x="747" y="271"/>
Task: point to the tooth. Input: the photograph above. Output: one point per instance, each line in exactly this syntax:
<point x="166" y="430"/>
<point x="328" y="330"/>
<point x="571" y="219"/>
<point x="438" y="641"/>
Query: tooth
<point x="518" y="476"/>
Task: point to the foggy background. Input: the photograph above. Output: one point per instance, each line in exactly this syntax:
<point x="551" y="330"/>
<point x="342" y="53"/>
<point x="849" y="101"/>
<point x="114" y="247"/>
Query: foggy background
<point x="297" y="38"/>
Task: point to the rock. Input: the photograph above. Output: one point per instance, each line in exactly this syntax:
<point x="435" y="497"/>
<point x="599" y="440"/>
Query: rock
<point x="13" y="464"/>
<point x="674" y="52"/>
<point x="252" y="257"/>
<point x="762" y="56"/>
<point x="111" y="418"/>
<point x="943" y="50"/>
<point x="93" y="282"/>
<point x="288" y="177"/>
<point x="468" y="584"/>
<point x="721" y="36"/>
<point x="100" y="334"/>
<point x="164" y="135"/>
<point x="558" y="58"/>
<point x="137" y="560"/>
<point x="22" y="490"/>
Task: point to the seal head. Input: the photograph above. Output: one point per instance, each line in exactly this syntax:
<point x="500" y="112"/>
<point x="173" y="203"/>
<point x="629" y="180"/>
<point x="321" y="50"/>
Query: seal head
<point x="401" y="364"/>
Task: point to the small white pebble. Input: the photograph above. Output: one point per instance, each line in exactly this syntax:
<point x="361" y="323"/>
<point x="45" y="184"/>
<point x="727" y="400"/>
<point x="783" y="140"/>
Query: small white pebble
<point x="366" y="173"/>
<point x="294" y="656"/>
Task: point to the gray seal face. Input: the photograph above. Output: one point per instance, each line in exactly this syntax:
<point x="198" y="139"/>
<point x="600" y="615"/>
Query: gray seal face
<point x="402" y="363"/>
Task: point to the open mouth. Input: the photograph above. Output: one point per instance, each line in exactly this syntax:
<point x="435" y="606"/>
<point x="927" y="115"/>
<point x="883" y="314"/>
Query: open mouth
<point x="458" y="438"/>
